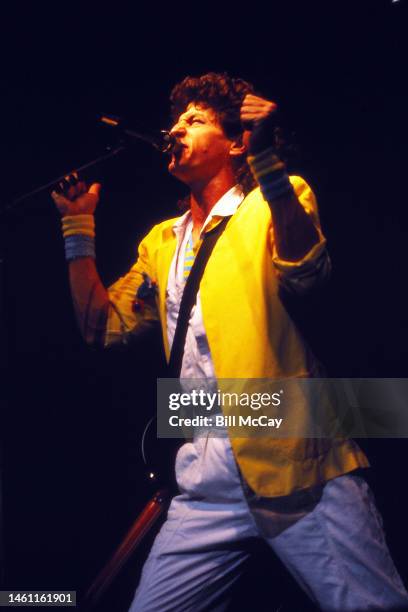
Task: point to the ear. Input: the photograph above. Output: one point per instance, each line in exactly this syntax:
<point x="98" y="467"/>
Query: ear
<point x="238" y="146"/>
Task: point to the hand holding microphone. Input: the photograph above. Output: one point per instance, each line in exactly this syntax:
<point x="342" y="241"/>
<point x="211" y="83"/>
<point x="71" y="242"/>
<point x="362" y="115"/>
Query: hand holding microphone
<point x="72" y="196"/>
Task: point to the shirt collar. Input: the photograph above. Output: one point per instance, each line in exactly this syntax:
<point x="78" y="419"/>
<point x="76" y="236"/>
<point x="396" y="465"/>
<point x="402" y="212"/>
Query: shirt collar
<point x="225" y="207"/>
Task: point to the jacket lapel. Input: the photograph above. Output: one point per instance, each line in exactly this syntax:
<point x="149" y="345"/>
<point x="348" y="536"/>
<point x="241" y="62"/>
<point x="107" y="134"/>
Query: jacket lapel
<point x="164" y="258"/>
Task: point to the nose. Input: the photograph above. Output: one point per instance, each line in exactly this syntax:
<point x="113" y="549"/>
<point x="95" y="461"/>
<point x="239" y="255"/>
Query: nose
<point x="177" y="130"/>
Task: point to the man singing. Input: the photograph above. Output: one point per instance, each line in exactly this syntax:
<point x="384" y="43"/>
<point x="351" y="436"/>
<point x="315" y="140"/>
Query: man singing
<point x="301" y="496"/>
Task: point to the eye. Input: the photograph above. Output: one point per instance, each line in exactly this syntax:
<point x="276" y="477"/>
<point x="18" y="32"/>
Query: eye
<point x="197" y="120"/>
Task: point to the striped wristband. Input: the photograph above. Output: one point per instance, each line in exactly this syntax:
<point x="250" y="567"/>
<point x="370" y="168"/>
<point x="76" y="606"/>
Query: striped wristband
<point x="270" y="174"/>
<point x="79" y="246"/>
<point x="79" y="236"/>
<point x="78" y="224"/>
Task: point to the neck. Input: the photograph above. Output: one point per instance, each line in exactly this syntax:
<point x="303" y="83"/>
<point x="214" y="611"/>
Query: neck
<point x="205" y="196"/>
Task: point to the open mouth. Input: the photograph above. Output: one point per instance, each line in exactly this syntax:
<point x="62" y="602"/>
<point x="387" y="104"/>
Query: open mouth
<point x="178" y="146"/>
<point x="177" y="150"/>
<point x="174" y="147"/>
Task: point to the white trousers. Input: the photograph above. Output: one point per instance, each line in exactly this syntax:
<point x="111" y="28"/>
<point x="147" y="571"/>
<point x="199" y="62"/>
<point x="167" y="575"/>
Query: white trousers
<point x="330" y="538"/>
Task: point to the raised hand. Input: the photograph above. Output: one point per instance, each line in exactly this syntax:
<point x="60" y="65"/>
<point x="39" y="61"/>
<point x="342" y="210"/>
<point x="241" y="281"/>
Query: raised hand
<point x="74" y="198"/>
<point x="255" y="109"/>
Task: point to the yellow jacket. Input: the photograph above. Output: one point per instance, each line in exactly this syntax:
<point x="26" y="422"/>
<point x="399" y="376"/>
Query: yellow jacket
<point x="249" y="332"/>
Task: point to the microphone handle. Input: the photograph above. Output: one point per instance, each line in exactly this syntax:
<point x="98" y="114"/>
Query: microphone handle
<point x="10" y="207"/>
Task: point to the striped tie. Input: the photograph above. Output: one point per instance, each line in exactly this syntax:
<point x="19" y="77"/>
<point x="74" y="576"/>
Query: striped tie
<point x="188" y="257"/>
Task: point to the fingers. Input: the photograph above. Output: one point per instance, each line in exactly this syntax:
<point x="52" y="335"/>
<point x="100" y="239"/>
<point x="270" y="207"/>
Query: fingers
<point x="72" y="197"/>
<point x="59" y="199"/>
<point x="252" y="101"/>
<point x="61" y="202"/>
<point x="71" y="187"/>
<point x="254" y="109"/>
<point x="95" y="189"/>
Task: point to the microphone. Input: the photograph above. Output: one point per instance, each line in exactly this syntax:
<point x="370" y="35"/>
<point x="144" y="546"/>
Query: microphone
<point x="161" y="141"/>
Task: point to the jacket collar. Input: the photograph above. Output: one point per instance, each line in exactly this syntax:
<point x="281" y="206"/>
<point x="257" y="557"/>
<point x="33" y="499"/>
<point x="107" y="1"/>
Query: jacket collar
<point x="225" y="207"/>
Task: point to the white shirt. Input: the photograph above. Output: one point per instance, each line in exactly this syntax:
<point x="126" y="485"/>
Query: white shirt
<point x="197" y="362"/>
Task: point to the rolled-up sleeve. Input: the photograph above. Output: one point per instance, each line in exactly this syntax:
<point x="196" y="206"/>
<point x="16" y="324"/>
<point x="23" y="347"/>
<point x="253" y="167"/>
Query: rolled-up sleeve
<point x="314" y="268"/>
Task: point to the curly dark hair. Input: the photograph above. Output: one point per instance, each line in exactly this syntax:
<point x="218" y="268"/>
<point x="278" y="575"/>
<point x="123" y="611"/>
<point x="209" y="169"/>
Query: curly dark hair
<point x="224" y="95"/>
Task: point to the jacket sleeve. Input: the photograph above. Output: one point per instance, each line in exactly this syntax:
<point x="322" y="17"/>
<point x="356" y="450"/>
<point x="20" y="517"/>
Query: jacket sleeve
<point x="133" y="301"/>
<point x="313" y="270"/>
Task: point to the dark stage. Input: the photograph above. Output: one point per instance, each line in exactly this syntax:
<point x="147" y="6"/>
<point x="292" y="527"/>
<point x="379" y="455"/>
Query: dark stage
<point x="73" y="478"/>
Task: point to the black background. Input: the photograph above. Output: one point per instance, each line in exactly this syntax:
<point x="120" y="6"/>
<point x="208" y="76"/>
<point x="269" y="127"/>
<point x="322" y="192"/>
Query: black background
<point x="73" y="476"/>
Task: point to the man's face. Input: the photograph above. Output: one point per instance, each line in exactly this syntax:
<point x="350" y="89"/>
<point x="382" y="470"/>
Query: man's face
<point x="202" y="148"/>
